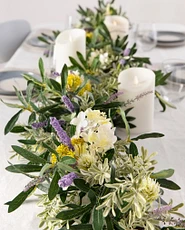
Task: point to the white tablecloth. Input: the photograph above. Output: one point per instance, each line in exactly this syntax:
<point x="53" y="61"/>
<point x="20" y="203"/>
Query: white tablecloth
<point x="171" y="148"/>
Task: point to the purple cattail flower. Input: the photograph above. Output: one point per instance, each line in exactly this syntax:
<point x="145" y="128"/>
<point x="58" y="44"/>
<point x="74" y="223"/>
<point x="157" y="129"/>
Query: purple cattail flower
<point x="113" y="97"/>
<point x="34" y="182"/>
<point x="67" y="180"/>
<point x="64" y="138"/>
<point x="68" y="103"/>
<point x="38" y="125"/>
<point x="122" y="62"/>
<point x="55" y="74"/>
<point x="162" y="210"/>
<point x="126" y="52"/>
<point x="46" y="53"/>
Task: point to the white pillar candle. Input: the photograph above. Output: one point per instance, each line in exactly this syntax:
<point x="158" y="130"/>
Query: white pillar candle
<point x="67" y="44"/>
<point x="138" y="87"/>
<point x="117" y="25"/>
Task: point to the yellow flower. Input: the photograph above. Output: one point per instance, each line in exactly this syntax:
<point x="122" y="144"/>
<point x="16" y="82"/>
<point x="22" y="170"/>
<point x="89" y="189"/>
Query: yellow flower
<point x="87" y="87"/>
<point x="63" y="150"/>
<point x="79" y="145"/>
<point x="150" y="189"/>
<point x="74" y="81"/>
<point x="89" y="34"/>
<point x="53" y="159"/>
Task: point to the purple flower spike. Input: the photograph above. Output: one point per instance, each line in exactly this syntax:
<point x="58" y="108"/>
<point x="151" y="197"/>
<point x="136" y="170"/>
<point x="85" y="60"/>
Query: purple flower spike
<point x="67" y="180"/>
<point x="55" y="74"/>
<point x="113" y="97"/>
<point x="38" y="125"/>
<point x="64" y="138"/>
<point x="126" y="52"/>
<point x="46" y="53"/>
<point x="162" y="210"/>
<point x="122" y="62"/>
<point x="68" y="103"/>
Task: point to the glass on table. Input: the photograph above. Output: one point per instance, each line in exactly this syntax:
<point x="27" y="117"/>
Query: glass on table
<point x="50" y="60"/>
<point x="146" y="36"/>
<point x="72" y="21"/>
<point x="174" y="90"/>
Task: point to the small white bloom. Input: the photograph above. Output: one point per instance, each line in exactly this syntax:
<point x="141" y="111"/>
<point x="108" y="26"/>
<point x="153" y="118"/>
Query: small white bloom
<point x="80" y="122"/>
<point x="103" y="58"/>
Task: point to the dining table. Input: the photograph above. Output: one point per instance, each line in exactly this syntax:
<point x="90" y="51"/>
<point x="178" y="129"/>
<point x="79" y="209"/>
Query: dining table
<point x="170" y="148"/>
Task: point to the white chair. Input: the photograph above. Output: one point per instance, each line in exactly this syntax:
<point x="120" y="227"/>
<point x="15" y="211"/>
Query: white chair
<point x="12" y="34"/>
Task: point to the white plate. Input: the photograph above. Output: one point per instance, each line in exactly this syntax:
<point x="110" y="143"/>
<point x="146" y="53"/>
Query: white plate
<point x="34" y="41"/>
<point x="170" y="38"/>
<point x="11" y="78"/>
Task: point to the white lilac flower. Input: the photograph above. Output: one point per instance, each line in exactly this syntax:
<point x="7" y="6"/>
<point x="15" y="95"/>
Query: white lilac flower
<point x="80" y="122"/>
<point x="103" y="138"/>
<point x="95" y="116"/>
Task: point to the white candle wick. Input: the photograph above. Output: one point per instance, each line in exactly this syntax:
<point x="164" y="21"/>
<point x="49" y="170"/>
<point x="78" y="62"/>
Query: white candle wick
<point x="136" y="81"/>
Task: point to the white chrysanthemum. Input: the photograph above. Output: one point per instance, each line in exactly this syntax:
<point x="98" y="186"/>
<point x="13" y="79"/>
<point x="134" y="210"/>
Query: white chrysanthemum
<point x="103" y="138"/>
<point x="86" y="160"/>
<point x="150" y="189"/>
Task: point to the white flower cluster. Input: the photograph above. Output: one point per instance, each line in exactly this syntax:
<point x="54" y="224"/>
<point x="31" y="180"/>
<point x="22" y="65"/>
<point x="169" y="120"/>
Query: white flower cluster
<point x="95" y="129"/>
<point x="103" y="56"/>
<point x="97" y="132"/>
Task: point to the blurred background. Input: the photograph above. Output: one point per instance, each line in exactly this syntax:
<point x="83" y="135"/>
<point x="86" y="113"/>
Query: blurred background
<point x="47" y="11"/>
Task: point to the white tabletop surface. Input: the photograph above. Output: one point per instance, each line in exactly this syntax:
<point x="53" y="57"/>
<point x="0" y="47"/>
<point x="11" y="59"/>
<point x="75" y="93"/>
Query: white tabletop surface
<point x="170" y="148"/>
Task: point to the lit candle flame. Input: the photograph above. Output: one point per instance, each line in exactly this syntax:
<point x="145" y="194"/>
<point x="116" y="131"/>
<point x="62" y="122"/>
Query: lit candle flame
<point x="136" y="81"/>
<point x="114" y="23"/>
<point x="70" y="38"/>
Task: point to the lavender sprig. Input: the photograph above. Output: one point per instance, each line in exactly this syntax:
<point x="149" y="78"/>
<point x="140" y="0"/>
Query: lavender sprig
<point x="64" y="138"/>
<point x="34" y="182"/>
<point x="38" y="125"/>
<point x="122" y="62"/>
<point x="55" y="74"/>
<point x="68" y="103"/>
<point x="113" y="97"/>
<point x="162" y="210"/>
<point x="126" y="52"/>
<point x="67" y="180"/>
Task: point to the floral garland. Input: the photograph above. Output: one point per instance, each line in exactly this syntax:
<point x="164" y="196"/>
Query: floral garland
<point x="90" y="178"/>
